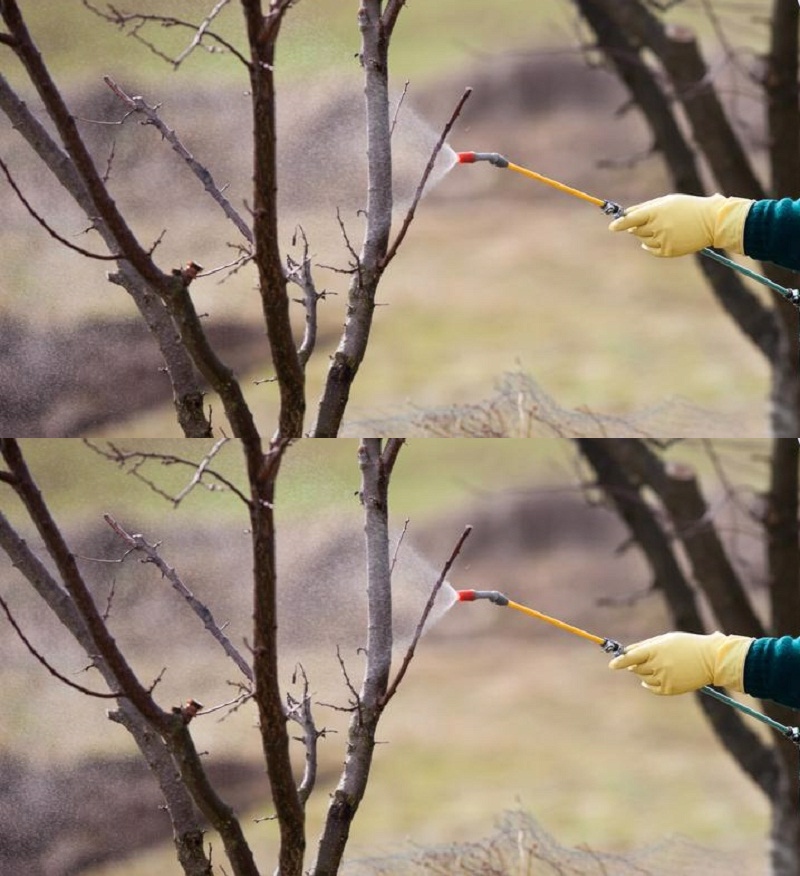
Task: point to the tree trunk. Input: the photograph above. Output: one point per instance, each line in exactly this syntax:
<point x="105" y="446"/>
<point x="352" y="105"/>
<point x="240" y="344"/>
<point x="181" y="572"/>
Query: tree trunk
<point x="369" y="702"/>
<point x="347" y="359"/>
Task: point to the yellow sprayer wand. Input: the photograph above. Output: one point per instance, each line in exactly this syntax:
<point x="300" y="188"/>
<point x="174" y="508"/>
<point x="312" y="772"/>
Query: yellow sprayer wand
<point x="609" y="207"/>
<point x="611" y="646"/>
<point x="612" y="208"/>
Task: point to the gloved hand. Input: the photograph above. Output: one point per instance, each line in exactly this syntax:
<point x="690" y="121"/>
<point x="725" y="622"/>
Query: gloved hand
<point x="675" y="225"/>
<point x="679" y="662"/>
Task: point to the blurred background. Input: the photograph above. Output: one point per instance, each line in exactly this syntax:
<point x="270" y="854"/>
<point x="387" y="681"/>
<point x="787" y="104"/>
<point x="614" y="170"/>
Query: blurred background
<point x="499" y="275"/>
<point x="499" y="712"/>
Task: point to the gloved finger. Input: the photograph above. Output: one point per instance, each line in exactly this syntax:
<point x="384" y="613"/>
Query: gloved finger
<point x="631" y="657"/>
<point x="654" y="249"/>
<point x="643" y="670"/>
<point x="643" y="232"/>
<point x="654" y="688"/>
<point x="627" y="221"/>
<point x="633" y="217"/>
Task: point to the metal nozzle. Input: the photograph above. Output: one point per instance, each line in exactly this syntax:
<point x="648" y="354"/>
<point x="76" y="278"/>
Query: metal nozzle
<point x="494" y="158"/>
<point x="494" y="596"/>
<point x="612" y="208"/>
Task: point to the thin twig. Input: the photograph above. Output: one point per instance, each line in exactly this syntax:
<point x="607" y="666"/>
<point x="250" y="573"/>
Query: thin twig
<point x="137" y="458"/>
<point x="398" y="108"/>
<point x="200" y="470"/>
<point x="355" y="265"/>
<point x="47" y="666"/>
<point x="54" y="234"/>
<point x="397" y="546"/>
<point x="139" y="543"/>
<point x="138" y="104"/>
<point x="392" y="690"/>
<point x="200" y="32"/>
<point x="233" y="704"/>
<point x="421" y="187"/>
<point x="300" y="712"/>
<point x="356" y="701"/>
<point x="136" y="21"/>
<point x="300" y="274"/>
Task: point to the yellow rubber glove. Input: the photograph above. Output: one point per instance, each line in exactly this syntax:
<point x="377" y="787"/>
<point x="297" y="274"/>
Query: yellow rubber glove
<point x="676" y="663"/>
<point x="676" y="225"/>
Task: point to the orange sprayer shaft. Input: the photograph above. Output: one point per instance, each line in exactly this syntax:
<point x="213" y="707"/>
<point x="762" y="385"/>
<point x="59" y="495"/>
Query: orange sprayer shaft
<point x="598" y="640"/>
<point x="611" y="646"/>
<point x="531" y="174"/>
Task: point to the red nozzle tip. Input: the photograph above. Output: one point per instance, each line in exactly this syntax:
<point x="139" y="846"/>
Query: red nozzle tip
<point x="466" y="158"/>
<point x="466" y="595"/>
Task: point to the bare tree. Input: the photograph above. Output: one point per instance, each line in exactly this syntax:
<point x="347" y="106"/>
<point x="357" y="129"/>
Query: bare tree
<point x="163" y="734"/>
<point x="162" y="295"/>
<point x="673" y="520"/>
<point x="680" y="87"/>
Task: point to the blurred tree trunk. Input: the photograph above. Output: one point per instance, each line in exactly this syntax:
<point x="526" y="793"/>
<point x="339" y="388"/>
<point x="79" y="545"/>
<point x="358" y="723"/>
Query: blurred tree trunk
<point x="671" y="520"/>
<point x="663" y="68"/>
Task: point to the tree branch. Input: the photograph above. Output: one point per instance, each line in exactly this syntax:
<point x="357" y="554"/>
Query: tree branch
<point x="136" y="459"/>
<point x="299" y="711"/>
<point x="607" y="19"/>
<point x="677" y="487"/>
<point x="391" y="14"/>
<point x="138" y="104"/>
<point x="390" y="454"/>
<point x="65" y="124"/>
<point x="41" y="517"/>
<point x="54" y="672"/>
<point x="188" y="834"/>
<point x="54" y="234"/>
<point x="138" y="542"/>
<point x="783" y="545"/>
<point x="368" y="705"/>
<point x="263" y="474"/>
<point x="188" y="396"/>
<point x="392" y="690"/>
<point x="350" y="352"/>
<point x="137" y="20"/>
<point x="300" y="274"/>
<point x="262" y="32"/>
<point x="421" y="187"/>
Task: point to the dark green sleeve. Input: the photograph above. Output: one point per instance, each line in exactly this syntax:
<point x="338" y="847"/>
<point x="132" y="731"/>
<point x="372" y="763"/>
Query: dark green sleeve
<point x="772" y="232"/>
<point x="772" y="670"/>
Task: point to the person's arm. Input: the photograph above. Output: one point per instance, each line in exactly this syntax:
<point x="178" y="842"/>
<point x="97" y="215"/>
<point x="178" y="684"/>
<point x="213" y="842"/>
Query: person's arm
<point x="772" y="670"/>
<point x="772" y="232"/>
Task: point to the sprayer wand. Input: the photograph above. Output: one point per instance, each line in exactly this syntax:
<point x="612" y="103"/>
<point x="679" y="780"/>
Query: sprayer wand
<point x="611" y="646"/>
<point x="612" y="208"/>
